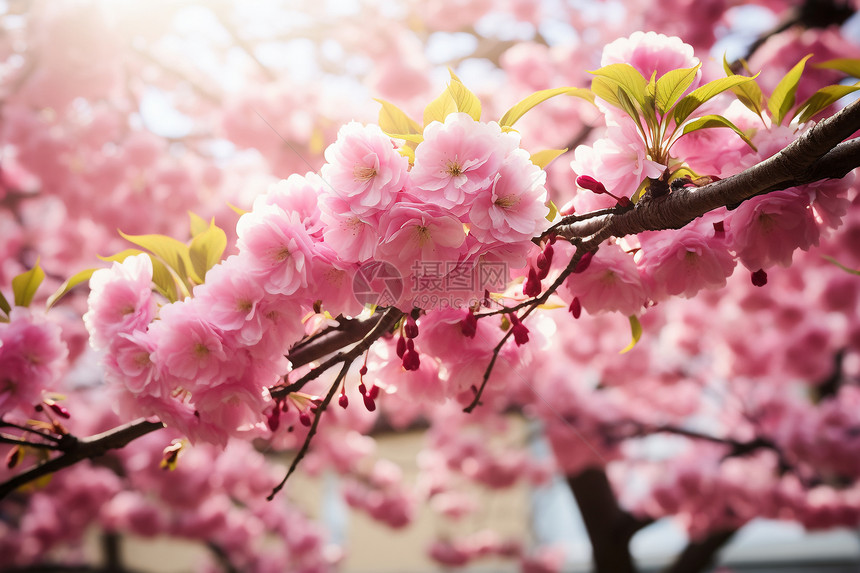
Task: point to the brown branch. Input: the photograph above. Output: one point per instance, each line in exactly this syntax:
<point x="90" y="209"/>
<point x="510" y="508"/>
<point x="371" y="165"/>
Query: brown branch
<point x="816" y="155"/>
<point x="699" y="555"/>
<point x="609" y="527"/>
<point x="76" y="450"/>
<point x="348" y="331"/>
<point x="387" y="321"/>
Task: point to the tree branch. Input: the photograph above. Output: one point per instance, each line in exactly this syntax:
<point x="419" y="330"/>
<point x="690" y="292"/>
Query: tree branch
<point x="816" y="155"/>
<point x="76" y="450"/>
<point x="698" y="555"/>
<point x="609" y="527"/>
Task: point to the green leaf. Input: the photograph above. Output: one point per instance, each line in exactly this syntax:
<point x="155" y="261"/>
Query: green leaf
<point x="841" y="266"/>
<point x="700" y="95"/>
<point x="393" y="120"/>
<point x="465" y="100"/>
<point x="26" y="284"/>
<point x="174" y="253"/>
<point x="439" y="109"/>
<point x="70" y="283"/>
<point x="207" y="248"/>
<point x="821" y="99"/>
<point x="197" y="224"/>
<point x="545" y="157"/>
<point x="782" y="98"/>
<point x="4" y="305"/>
<point x="672" y="85"/>
<point x="848" y="66"/>
<point x="709" y="121"/>
<point x="605" y="89"/>
<point x="515" y="113"/>
<point x="635" y="331"/>
<point x="628" y="79"/>
<point x="553" y="211"/>
<point x="748" y="93"/>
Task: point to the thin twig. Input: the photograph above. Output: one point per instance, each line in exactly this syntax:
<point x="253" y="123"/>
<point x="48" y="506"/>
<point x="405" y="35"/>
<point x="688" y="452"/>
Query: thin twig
<point x="313" y="430"/>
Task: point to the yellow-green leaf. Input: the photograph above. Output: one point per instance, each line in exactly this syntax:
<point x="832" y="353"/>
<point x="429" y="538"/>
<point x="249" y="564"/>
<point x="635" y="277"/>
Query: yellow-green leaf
<point x="173" y="252"/>
<point x="515" y="113"/>
<point x="121" y="256"/>
<point x="393" y="120"/>
<point x="553" y="211"/>
<point x="700" y="95"/>
<point x="782" y="98"/>
<point x="438" y="109"/>
<point x="821" y="99"/>
<point x="410" y="137"/>
<point x="605" y="89"/>
<point x="709" y="121"/>
<point x="238" y="210"/>
<point x="4" y="305"/>
<point x="748" y="93"/>
<point x="207" y="248"/>
<point x="545" y="157"/>
<point x="26" y="284"/>
<point x="465" y="100"/>
<point x="635" y="331"/>
<point x="672" y="85"/>
<point x="627" y="78"/>
<point x="68" y="285"/>
<point x="848" y="66"/>
<point x="197" y="224"/>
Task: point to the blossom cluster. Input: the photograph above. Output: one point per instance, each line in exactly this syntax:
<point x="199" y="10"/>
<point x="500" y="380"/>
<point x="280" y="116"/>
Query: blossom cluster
<point x="204" y="364"/>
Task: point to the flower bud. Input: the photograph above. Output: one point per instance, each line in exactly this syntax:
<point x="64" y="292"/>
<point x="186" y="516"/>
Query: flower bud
<point x="401" y="347"/>
<point x="343" y="401"/>
<point x="410" y="328"/>
<point x="532" y="287"/>
<point x="591" y="184"/>
<point x="759" y="278"/>
<point x="469" y="325"/>
<point x="575" y="307"/>
<point x="584" y="262"/>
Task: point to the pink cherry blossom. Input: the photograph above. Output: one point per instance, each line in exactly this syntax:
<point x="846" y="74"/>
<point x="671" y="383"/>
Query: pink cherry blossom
<point x="277" y="248"/>
<point x="650" y="52"/>
<point x="32" y="357"/>
<point x="610" y="283"/>
<point x="513" y="209"/>
<point x="364" y="169"/>
<point x="457" y="159"/>
<point x="120" y="300"/>
<point x="413" y="232"/>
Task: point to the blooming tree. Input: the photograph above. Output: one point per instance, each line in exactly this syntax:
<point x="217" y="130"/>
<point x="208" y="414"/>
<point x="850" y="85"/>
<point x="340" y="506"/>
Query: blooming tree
<point x="292" y="270"/>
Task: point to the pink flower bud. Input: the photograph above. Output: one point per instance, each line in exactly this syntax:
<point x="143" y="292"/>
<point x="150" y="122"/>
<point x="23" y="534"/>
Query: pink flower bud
<point x="362" y="388"/>
<point x="575" y="307"/>
<point x="274" y="418"/>
<point x="59" y="410"/>
<point x="411" y="361"/>
<point x="521" y="333"/>
<point x="532" y="285"/>
<point x="469" y="325"/>
<point x="401" y="347"/>
<point x="305" y="419"/>
<point x="343" y="401"/>
<point x="591" y="184"/>
<point x="584" y="262"/>
<point x="363" y="370"/>
<point x="410" y="328"/>
<point x="374" y="392"/>
<point x="759" y="278"/>
<point x="369" y="403"/>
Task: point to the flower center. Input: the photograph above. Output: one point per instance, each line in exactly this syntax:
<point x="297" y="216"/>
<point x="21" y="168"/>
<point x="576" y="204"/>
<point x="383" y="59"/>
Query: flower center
<point x="201" y="350"/>
<point x="454" y="168"/>
<point x="363" y="173"/>
<point x="507" y="202"/>
<point x="422" y="234"/>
